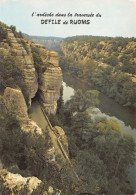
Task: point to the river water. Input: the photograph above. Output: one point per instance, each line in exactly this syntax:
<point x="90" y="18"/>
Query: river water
<point x="125" y="117"/>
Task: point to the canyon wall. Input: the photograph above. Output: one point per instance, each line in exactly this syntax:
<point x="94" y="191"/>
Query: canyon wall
<point x="47" y="77"/>
<point x="28" y="70"/>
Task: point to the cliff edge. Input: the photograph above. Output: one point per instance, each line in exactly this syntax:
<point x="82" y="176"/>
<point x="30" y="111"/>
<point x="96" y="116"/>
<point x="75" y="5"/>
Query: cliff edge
<point x="27" y="151"/>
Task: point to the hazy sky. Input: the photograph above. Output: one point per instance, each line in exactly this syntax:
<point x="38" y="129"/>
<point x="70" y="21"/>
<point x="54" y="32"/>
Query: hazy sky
<point x="118" y="17"/>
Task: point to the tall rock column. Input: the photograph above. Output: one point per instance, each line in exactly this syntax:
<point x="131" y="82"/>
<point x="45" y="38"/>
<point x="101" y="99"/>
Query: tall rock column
<point x="50" y="83"/>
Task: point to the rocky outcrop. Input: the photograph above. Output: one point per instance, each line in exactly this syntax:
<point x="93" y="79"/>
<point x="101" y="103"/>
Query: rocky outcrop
<point x="16" y="107"/>
<point x="14" y="183"/>
<point x="50" y="80"/>
<point x="50" y="156"/>
<point x="15" y="103"/>
<point x="28" y="69"/>
<point x="36" y="146"/>
<point x="48" y="75"/>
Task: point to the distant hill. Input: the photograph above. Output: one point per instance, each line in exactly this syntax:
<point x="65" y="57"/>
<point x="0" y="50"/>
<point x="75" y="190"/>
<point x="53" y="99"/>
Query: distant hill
<point x="51" y="43"/>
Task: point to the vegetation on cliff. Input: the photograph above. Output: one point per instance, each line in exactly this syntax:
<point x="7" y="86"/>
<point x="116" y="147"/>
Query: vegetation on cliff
<point x="16" y="61"/>
<point x="108" y="63"/>
<point x="10" y="66"/>
<point x="100" y="154"/>
<point x="38" y="62"/>
<point x="26" y="150"/>
<point x="4" y="34"/>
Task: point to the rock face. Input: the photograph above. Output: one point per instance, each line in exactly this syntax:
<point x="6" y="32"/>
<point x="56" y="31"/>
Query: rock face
<point x="27" y="65"/>
<point x="15" y="182"/>
<point x="50" y="80"/>
<point x="36" y="150"/>
<point x="17" y="108"/>
<point x="15" y="103"/>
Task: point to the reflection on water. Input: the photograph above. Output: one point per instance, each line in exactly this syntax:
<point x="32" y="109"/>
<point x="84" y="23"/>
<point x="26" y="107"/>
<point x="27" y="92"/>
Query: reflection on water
<point x="67" y="92"/>
<point x="125" y="117"/>
<point x="111" y="110"/>
<point x="107" y="105"/>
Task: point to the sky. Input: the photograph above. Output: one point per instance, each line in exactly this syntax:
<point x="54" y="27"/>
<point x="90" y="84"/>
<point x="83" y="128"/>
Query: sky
<point x="118" y="17"/>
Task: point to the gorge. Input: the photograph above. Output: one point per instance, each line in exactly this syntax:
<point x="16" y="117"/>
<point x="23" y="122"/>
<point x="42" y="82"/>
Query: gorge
<point x="28" y="148"/>
<point x="85" y="61"/>
<point x="47" y="147"/>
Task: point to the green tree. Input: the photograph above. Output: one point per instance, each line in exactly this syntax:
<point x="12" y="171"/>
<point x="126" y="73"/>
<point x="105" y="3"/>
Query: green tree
<point x="81" y="101"/>
<point x="89" y="68"/>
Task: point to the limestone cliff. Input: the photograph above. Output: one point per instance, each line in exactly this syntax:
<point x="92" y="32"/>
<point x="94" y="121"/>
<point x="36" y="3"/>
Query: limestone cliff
<point x="16" y="108"/>
<point x="14" y="183"/>
<point x="28" y="70"/>
<point x="37" y="149"/>
<point x="36" y="145"/>
<point x="15" y="103"/>
<point x="51" y="81"/>
<point x="30" y="67"/>
<point x="50" y="78"/>
<point x="28" y="78"/>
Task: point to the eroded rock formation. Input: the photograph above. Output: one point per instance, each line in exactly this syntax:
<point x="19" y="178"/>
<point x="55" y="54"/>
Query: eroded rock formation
<point x="28" y="69"/>
<point x="15" y="103"/>
<point x="15" y="182"/>
<point x="36" y="149"/>
<point x="16" y="107"/>
<point x="50" y="79"/>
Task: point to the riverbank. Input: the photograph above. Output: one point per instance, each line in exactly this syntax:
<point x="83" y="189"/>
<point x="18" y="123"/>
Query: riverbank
<point x="124" y="116"/>
<point x="107" y="105"/>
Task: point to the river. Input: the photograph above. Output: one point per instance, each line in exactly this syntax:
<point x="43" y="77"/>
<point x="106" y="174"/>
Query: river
<point x="125" y="117"/>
